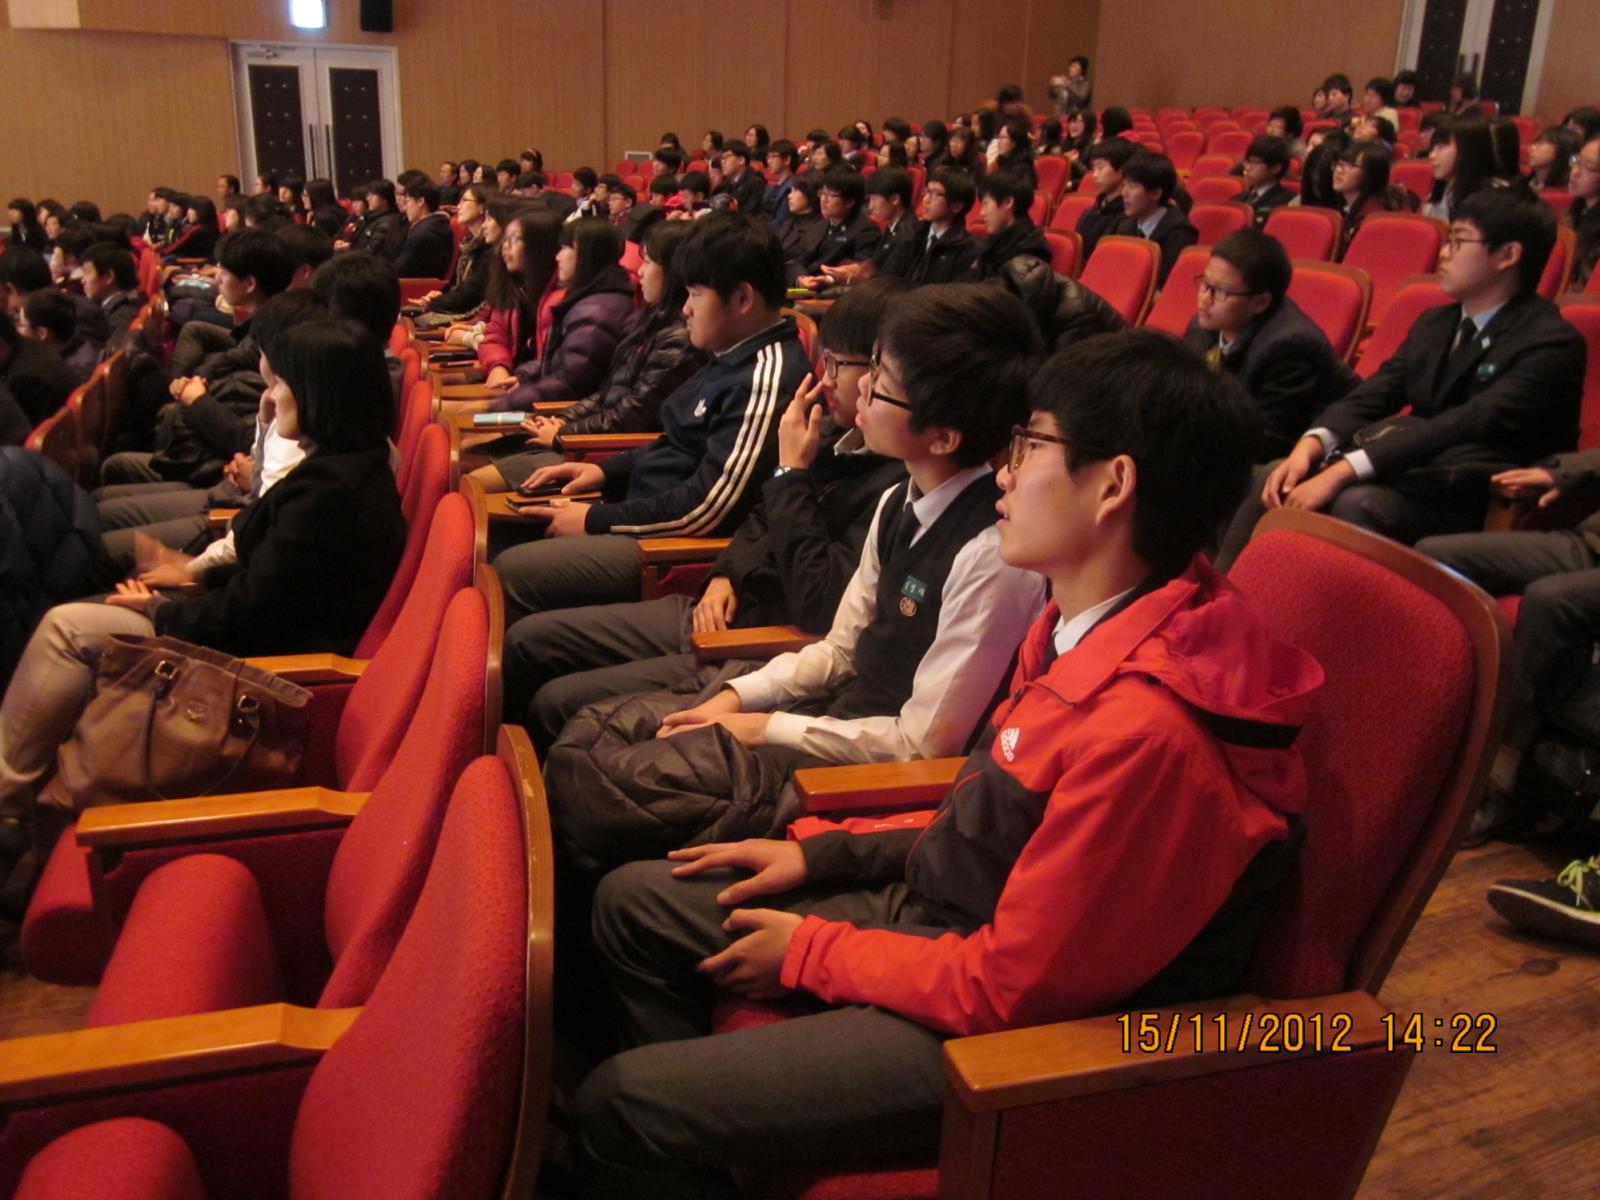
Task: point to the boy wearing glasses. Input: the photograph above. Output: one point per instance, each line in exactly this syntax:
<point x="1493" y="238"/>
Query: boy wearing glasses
<point x="1108" y="843"/>
<point x="1492" y="382"/>
<point x="945" y="251"/>
<point x="1246" y="324"/>
<point x="919" y="645"/>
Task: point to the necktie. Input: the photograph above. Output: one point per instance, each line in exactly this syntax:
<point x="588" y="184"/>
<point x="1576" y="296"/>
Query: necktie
<point x="1467" y="331"/>
<point x="909" y="525"/>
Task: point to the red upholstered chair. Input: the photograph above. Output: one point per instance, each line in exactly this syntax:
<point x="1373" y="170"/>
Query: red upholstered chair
<point x="1558" y="267"/>
<point x="359" y="712"/>
<point x="1070" y="209"/>
<point x="1073" y="1109"/>
<point x="1413" y="174"/>
<point x="56" y="437"/>
<point x="1230" y="143"/>
<point x="1212" y="189"/>
<point x="1583" y="312"/>
<point x="1039" y="208"/>
<point x="1184" y="146"/>
<point x="1391" y="246"/>
<point x="1175" y="306"/>
<point x="399" y="338"/>
<point x="428" y="474"/>
<point x="436" y="1088"/>
<point x="1336" y="297"/>
<point x="1307" y="233"/>
<point x="224" y="925"/>
<point x="1053" y="174"/>
<point x="89" y="405"/>
<point x="412" y="290"/>
<point x="416" y="414"/>
<point x="1208" y="165"/>
<point x="1066" y="250"/>
<point x="1413" y="297"/>
<point x="1559" y="199"/>
<point x="1217" y="221"/>
<point x="1122" y="270"/>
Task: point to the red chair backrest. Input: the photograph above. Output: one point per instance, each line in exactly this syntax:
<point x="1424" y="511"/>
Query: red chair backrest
<point x="384" y="855"/>
<point x="1391" y="246"/>
<point x="1412" y="298"/>
<point x="415" y="415"/>
<point x="420" y="1097"/>
<point x="1066" y="250"/>
<point x="426" y="485"/>
<point x="1583" y="312"/>
<point x="56" y="437"/>
<point x="1040" y="208"/>
<point x="1311" y="234"/>
<point x="1175" y="306"/>
<point x="1412" y="661"/>
<point x="1558" y="267"/>
<point x="1122" y="271"/>
<point x="1413" y="174"/>
<point x="1052" y="171"/>
<point x="1210" y="189"/>
<point x="1336" y="297"/>
<point x="1184" y="146"/>
<point x="1230" y="143"/>
<point x="1069" y="211"/>
<point x="1216" y="221"/>
<point x="399" y="339"/>
<point x="1559" y="200"/>
<point x="1210" y="164"/>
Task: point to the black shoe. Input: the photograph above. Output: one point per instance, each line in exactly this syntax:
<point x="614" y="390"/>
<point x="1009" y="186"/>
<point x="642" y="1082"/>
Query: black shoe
<point x="1567" y="906"/>
<point x="1497" y="815"/>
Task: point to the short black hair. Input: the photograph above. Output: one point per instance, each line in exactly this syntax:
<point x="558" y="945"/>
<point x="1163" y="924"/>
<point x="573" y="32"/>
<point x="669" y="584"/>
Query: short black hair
<point x="1261" y="261"/>
<point x="661" y="241"/>
<point x="598" y="243"/>
<point x="1011" y="93"/>
<point x="264" y="211"/>
<point x="74" y="240"/>
<point x="728" y="249"/>
<point x="899" y="126"/>
<point x="260" y="255"/>
<point x="737" y="148"/>
<point x="670" y="157"/>
<point x="695" y="181"/>
<point x="383" y="189"/>
<point x="284" y="311"/>
<point x="853" y="322"/>
<point x="1115" y="120"/>
<point x="1001" y="186"/>
<point x="309" y="246"/>
<point x="664" y="185"/>
<point x="341" y="385"/>
<point x="587" y="177"/>
<point x="623" y="188"/>
<point x="959" y="190"/>
<point x="1587" y="119"/>
<point x="1338" y="82"/>
<point x="1384" y="86"/>
<point x="1293" y="124"/>
<point x="786" y="150"/>
<point x="1273" y="151"/>
<point x="509" y="166"/>
<point x="1082" y="60"/>
<point x="1406" y="76"/>
<point x="847" y="184"/>
<point x="232" y="181"/>
<point x="108" y="258"/>
<point x="1504" y="216"/>
<point x="362" y="286"/>
<point x="427" y="191"/>
<point x="1154" y="172"/>
<point x="716" y="138"/>
<point x="1115" y="151"/>
<point x="52" y="310"/>
<point x="1192" y="434"/>
<point x="24" y="268"/>
<point x="891" y="181"/>
<point x="964" y="353"/>
<point x="87" y="210"/>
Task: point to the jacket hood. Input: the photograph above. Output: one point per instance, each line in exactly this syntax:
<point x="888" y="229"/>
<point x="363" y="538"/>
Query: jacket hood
<point x="1198" y="637"/>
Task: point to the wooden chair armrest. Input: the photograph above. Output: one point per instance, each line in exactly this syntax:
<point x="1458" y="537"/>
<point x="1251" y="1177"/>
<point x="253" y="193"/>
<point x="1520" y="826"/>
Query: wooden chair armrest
<point x="875" y="787"/>
<point x="590" y="443"/>
<point x="474" y="391"/>
<point x="54" y="1066"/>
<point x="1101" y="1054"/>
<point x="551" y="408"/>
<point x="681" y="549"/>
<point x="156" y="822"/>
<point x="218" y="519"/>
<point x="759" y="641"/>
<point x="310" y="669"/>
<point x="428" y="335"/>
<point x="498" y="506"/>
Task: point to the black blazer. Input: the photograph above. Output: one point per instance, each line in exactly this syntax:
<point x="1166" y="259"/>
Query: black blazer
<point x="1289" y="368"/>
<point x="383" y="233"/>
<point x="316" y="554"/>
<point x="427" y="250"/>
<point x="1099" y="219"/>
<point x="948" y="260"/>
<point x="37" y="378"/>
<point x="1512" y="400"/>
<point x="1275" y="196"/>
<point x="1173" y="233"/>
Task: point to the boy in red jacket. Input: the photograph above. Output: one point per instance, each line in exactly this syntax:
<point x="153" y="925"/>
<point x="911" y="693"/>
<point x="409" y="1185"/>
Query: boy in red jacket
<point x="1113" y="840"/>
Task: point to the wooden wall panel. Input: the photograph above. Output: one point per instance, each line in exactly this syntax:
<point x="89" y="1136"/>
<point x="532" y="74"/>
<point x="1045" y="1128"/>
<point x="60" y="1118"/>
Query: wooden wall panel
<point x="1570" y="78"/>
<point x="987" y="52"/>
<point x="1239" y="51"/>
<point x="1056" y="31"/>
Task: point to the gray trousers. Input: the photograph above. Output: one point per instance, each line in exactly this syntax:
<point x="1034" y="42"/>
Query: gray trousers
<point x="172" y="513"/>
<point x="129" y="466"/>
<point x="557" y="662"/>
<point x="197" y="341"/>
<point x="671" y="1116"/>
<point x="551" y="573"/>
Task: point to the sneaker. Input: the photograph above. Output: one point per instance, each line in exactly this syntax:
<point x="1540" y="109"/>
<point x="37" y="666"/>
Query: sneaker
<point x="1567" y="906"/>
<point x="1498" y="815"/>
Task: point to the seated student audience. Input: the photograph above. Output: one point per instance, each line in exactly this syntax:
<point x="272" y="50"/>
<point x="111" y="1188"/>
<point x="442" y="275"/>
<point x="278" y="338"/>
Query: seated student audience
<point x="586" y="323"/>
<point x="429" y="245"/>
<point x="1051" y="139"/>
<point x="449" y="189"/>
<point x="1378" y="101"/>
<point x="1266" y="162"/>
<point x="922" y="639"/>
<point x="24" y="271"/>
<point x="1550" y="159"/>
<point x="1114" y="122"/>
<point x="520" y="293"/>
<point x="1373" y="129"/>
<point x="1246" y="324"/>
<point x="1150" y="209"/>
<point x="945" y="252"/>
<point x="151" y="224"/>
<point x="33" y="374"/>
<point x="933" y="145"/>
<point x="383" y="229"/>
<point x="467" y="172"/>
<point x="891" y="154"/>
<point x="291" y="195"/>
<point x="694" y="194"/>
<point x="789" y="562"/>
<point x="334" y="517"/>
<point x="1492" y="382"/>
<point x="799" y="235"/>
<point x="465" y="292"/>
<point x="1405" y="90"/>
<point x="747" y="188"/>
<point x="51" y="318"/>
<point x="1463" y="159"/>
<point x="1016" y="153"/>
<point x="848" y="235"/>
<point x="1583" y="214"/>
<point x="322" y="208"/>
<point x="200" y="232"/>
<point x="1004" y="201"/>
<point x="265" y="184"/>
<point x="664" y="194"/>
<point x="651" y="362"/>
<point x="1463" y="101"/>
<point x="719" y="433"/>
<point x="1361" y="178"/>
<point x="854" y="146"/>
<point x="783" y="160"/>
<point x="1339" y="92"/>
<point x="1107" y="159"/>
<point x="505" y="174"/>
<point x="26" y="231"/>
<point x="666" y="160"/>
<point x="111" y="280"/>
<point x="962" y="153"/>
<point x="1078" y="137"/>
<point x="1041" y="895"/>
<point x="1286" y="123"/>
<point x="889" y="208"/>
<point x="585" y="203"/>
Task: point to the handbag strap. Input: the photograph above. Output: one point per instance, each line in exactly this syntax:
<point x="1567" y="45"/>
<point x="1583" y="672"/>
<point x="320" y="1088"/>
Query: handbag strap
<point x="246" y="711"/>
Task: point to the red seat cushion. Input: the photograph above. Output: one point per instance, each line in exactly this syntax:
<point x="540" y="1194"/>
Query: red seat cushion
<point x="65" y="939"/>
<point x="820" y="1183"/>
<point x="129" y="1158"/>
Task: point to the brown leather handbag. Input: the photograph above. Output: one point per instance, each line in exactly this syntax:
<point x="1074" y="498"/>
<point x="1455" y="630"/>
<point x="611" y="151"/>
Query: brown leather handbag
<point x="170" y="719"/>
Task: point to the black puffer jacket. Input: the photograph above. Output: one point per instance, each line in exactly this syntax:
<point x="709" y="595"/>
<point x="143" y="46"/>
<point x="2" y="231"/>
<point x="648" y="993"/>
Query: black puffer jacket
<point x="653" y="359"/>
<point x="1066" y="311"/>
<point x="49" y="547"/>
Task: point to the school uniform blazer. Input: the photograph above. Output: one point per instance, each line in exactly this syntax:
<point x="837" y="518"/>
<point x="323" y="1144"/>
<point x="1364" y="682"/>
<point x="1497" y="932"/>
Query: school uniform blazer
<point x="1173" y="233"/>
<point x="427" y="250"/>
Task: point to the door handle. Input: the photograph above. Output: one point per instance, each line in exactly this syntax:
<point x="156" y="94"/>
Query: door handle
<point x="327" y="133"/>
<point x="1477" y="58"/>
<point x="311" y="147"/>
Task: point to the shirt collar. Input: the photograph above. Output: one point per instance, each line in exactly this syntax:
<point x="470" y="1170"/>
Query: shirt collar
<point x="930" y="507"/>
<point x="1481" y="320"/>
<point x="1148" y="225"/>
<point x="1069" y="632"/>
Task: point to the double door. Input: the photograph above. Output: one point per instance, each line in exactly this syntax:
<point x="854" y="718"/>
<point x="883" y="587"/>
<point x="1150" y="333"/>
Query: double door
<point x="1501" y="43"/>
<point x="317" y="112"/>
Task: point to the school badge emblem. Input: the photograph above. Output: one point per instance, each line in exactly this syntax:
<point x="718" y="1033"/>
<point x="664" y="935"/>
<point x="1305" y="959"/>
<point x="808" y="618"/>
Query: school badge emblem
<point x="912" y="592"/>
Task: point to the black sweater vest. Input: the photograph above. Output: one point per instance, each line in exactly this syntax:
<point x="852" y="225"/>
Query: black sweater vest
<point x="911" y="583"/>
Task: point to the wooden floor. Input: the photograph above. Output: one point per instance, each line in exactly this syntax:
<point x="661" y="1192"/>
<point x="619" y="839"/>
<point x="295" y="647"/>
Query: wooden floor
<point x="1522" y="1123"/>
